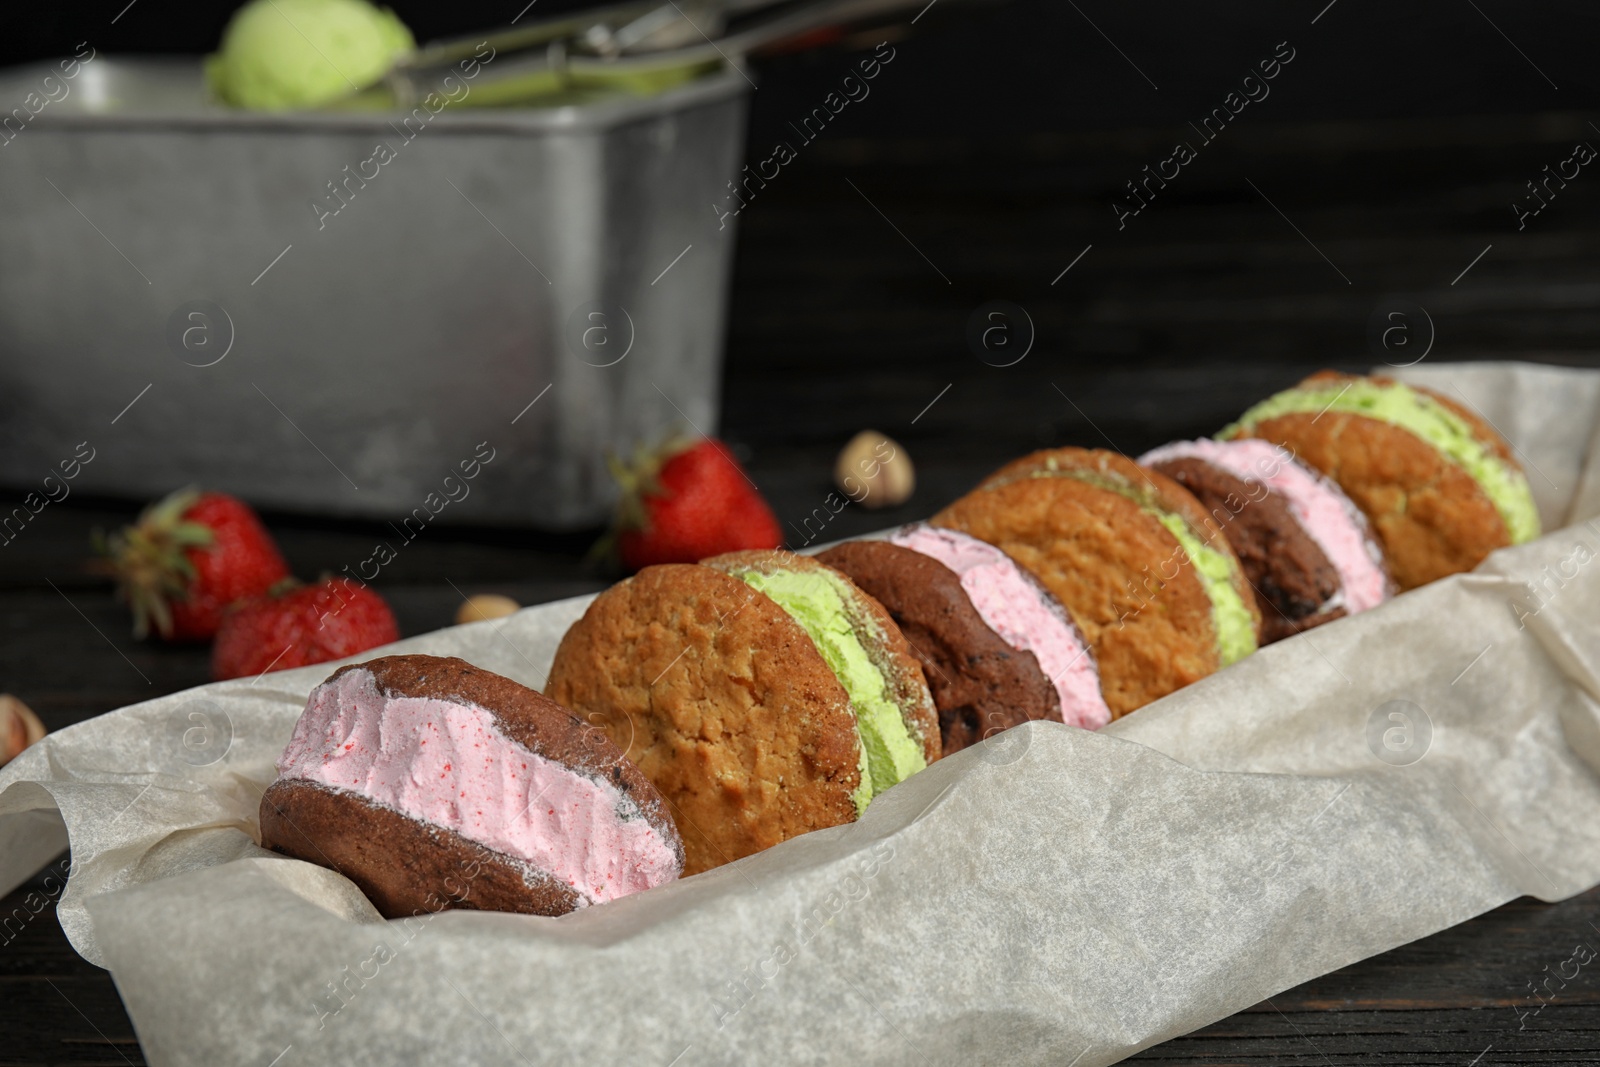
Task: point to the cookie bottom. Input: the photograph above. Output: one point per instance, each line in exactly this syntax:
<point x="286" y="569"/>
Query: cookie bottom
<point x="405" y="867"/>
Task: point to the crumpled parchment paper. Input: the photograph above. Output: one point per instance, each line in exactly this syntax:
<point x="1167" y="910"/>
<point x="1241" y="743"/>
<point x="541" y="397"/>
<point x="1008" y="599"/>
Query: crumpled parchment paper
<point x="1052" y="896"/>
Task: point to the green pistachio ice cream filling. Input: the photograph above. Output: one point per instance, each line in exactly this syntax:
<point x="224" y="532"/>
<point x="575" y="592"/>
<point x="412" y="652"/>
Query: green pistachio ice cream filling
<point x="278" y="55"/>
<point x="816" y="600"/>
<point x="1399" y="405"/>
<point x="1236" y="628"/>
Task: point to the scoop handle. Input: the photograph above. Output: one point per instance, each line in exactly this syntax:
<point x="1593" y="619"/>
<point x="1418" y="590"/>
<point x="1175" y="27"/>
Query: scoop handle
<point x="631" y="41"/>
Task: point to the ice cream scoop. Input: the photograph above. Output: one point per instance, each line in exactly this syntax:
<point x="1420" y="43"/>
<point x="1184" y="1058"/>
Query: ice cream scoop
<point x="279" y="55"/>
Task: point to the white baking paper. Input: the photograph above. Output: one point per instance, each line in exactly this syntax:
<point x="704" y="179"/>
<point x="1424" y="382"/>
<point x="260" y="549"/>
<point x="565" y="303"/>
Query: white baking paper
<point x="1052" y="896"/>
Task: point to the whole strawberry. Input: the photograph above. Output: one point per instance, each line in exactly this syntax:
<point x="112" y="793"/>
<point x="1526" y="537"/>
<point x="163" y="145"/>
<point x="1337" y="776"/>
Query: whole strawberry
<point x="306" y="624"/>
<point x="189" y="557"/>
<point x="687" y="501"/>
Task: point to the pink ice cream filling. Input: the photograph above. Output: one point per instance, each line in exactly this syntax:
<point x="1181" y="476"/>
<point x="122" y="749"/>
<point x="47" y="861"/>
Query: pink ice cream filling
<point x="1330" y="518"/>
<point x="447" y="764"/>
<point x="1022" y="614"/>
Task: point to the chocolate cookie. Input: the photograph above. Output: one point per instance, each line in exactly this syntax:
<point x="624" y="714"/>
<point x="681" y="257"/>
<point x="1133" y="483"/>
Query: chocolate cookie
<point x="980" y="684"/>
<point x="1440" y="486"/>
<point x="1026" y="615"/>
<point x="1305" y="547"/>
<point x="1144" y="572"/>
<point x="431" y="783"/>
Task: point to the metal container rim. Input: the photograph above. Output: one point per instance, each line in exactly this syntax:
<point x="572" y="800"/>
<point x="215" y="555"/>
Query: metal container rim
<point x="567" y="117"/>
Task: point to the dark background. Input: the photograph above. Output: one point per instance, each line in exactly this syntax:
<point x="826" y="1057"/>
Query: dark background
<point x="1386" y="158"/>
<point x="984" y="162"/>
<point x="1392" y="149"/>
<point x="986" y="69"/>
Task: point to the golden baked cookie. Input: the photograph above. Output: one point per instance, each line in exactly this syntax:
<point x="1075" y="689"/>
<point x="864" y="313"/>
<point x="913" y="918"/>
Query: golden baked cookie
<point x="724" y="703"/>
<point x="1439" y="485"/>
<point x="762" y="693"/>
<point x="1133" y="557"/>
<point x="881" y="640"/>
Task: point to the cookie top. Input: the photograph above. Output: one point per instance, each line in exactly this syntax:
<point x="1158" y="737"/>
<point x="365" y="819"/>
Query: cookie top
<point x="980" y="684"/>
<point x="447" y="744"/>
<point x="1117" y="569"/>
<point x="1449" y="427"/>
<point x="1436" y="482"/>
<point x="404" y="866"/>
<point x="1236" y="621"/>
<point x="724" y="703"/>
<point x="894" y="711"/>
<point x="1025" y="614"/>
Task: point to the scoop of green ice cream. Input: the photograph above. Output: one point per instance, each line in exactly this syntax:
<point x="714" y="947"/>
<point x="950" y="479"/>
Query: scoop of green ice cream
<point x="278" y="55"/>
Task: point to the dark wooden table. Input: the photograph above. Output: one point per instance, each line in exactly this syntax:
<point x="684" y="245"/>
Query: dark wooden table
<point x="1169" y="328"/>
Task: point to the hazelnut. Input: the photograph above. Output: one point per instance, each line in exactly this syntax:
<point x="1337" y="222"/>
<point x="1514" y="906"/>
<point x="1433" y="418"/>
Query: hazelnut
<point x="874" y="471"/>
<point x="485" y="606"/>
<point x="19" y="727"/>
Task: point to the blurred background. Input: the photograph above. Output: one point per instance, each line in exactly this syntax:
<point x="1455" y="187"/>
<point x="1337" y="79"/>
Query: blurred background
<point x="1381" y="175"/>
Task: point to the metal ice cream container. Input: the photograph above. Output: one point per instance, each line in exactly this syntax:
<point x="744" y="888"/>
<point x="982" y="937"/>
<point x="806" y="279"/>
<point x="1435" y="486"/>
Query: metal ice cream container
<point x="336" y="312"/>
